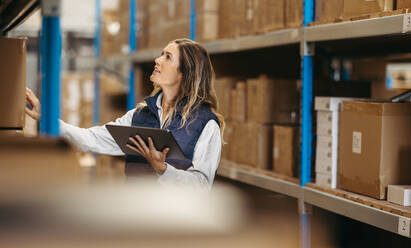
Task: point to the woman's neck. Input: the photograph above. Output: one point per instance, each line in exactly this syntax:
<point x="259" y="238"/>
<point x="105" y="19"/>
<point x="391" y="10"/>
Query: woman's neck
<point x="169" y="95"/>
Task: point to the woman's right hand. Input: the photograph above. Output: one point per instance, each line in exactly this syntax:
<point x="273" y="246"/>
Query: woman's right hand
<point x="35" y="111"/>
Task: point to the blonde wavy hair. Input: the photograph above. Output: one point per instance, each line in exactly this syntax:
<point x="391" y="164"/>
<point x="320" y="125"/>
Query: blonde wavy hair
<point x="197" y="83"/>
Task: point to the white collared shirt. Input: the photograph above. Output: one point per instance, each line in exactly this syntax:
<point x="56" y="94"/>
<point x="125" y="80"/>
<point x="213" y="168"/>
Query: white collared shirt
<point x="205" y="159"/>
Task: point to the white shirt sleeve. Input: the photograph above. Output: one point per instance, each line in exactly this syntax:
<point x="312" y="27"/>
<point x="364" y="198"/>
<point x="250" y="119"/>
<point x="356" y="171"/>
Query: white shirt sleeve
<point x="205" y="161"/>
<point x="95" y="139"/>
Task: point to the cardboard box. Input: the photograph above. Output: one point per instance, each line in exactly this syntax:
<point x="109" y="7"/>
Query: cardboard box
<point x="238" y="97"/>
<point x="361" y="7"/>
<point x="400" y="194"/>
<point x="374" y="146"/>
<point x="207" y="26"/>
<point x="328" y="10"/>
<point x="293" y="13"/>
<point x="223" y="87"/>
<point x="252" y="145"/>
<point x="46" y="163"/>
<point x="403" y="4"/>
<point x="228" y="138"/>
<point x="12" y="82"/>
<point x="286" y="150"/>
<point x="272" y="100"/>
<point x="323" y="179"/>
<point x="229" y="18"/>
<point x="269" y="14"/>
<point x="327" y="123"/>
<point x="324" y="154"/>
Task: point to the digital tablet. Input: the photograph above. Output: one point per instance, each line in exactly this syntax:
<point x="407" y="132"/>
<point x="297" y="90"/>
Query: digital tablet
<point x="162" y="139"/>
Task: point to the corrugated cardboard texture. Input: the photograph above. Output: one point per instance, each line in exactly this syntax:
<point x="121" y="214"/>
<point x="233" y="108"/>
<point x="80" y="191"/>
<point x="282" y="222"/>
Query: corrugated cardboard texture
<point x="229" y="18"/>
<point x="271" y="100"/>
<point x="360" y="7"/>
<point x="269" y="14"/>
<point x="12" y="82"/>
<point x="328" y="10"/>
<point x="286" y="150"/>
<point x="403" y="4"/>
<point x="374" y="147"/>
<point x="238" y="100"/>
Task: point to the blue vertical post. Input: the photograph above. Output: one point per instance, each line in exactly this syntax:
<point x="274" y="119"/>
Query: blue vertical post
<point x="193" y="19"/>
<point x="306" y="129"/>
<point x="97" y="48"/>
<point x="131" y="97"/>
<point x="50" y="59"/>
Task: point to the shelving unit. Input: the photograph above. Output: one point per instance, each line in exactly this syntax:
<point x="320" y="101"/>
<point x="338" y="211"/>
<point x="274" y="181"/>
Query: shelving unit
<point x="367" y="212"/>
<point x="307" y="37"/>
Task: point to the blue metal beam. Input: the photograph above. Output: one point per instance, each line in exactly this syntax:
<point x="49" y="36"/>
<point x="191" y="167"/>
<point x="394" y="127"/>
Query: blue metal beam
<point x="306" y="125"/>
<point x="131" y="97"/>
<point x="50" y="59"/>
<point x="97" y="48"/>
<point x="193" y="19"/>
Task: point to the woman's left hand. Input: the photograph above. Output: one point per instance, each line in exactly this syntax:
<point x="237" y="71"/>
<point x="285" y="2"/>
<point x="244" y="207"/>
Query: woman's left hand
<point x="155" y="158"/>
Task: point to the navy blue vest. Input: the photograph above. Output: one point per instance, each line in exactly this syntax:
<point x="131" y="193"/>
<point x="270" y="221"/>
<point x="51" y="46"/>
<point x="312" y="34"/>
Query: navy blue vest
<point x="186" y="136"/>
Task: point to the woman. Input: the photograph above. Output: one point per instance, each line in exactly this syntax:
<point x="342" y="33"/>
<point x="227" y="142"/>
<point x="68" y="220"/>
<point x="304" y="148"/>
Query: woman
<point x="183" y="101"/>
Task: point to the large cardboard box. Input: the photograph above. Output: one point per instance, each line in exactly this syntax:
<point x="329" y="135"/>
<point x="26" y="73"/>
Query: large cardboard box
<point x="12" y="82"/>
<point x="46" y="163"/>
<point x="293" y="13"/>
<point x="374" y="147"/>
<point x="328" y="10"/>
<point x="361" y="7"/>
<point x="403" y="4"/>
<point x="229" y="18"/>
<point x="223" y="87"/>
<point x="270" y="15"/>
<point x="238" y="102"/>
<point x="252" y="145"/>
<point x="286" y="150"/>
<point x="272" y="100"/>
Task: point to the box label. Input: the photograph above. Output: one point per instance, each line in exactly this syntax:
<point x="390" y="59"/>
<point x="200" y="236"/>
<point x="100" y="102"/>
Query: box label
<point x="406" y="27"/>
<point x="356" y="142"/>
<point x="404" y="226"/>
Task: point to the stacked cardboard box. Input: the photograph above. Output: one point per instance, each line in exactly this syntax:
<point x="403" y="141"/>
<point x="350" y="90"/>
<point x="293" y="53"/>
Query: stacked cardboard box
<point x="328" y="10"/>
<point x="207" y="19"/>
<point x="113" y="98"/>
<point x="77" y="98"/>
<point x="361" y="7"/>
<point x="286" y="150"/>
<point x="403" y="4"/>
<point x="272" y="100"/>
<point x="374" y="147"/>
<point x="12" y="82"/>
<point x="114" y="32"/>
<point x="336" y="10"/>
<point x="326" y="165"/>
<point x="252" y="113"/>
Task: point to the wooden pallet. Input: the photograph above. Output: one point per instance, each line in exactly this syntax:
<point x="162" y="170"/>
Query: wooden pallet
<point x="227" y="163"/>
<point x="379" y="204"/>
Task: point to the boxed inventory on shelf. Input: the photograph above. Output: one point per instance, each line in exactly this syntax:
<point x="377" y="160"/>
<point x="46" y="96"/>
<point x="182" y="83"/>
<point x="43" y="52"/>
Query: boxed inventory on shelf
<point x="223" y="88"/>
<point x="400" y="194"/>
<point x="286" y="150"/>
<point x="12" y="82"/>
<point x="272" y="100"/>
<point x="326" y="159"/>
<point x="238" y="97"/>
<point x="251" y="144"/>
<point x="328" y="10"/>
<point x="403" y="4"/>
<point x="374" y="147"/>
<point x="360" y="7"/>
